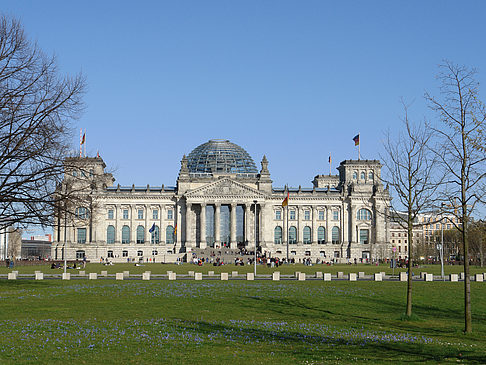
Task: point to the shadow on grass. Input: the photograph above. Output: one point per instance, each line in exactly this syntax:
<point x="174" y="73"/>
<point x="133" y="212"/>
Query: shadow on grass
<point x="305" y="345"/>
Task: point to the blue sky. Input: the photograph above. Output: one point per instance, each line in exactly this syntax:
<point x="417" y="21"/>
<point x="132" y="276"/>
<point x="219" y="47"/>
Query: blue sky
<point x="295" y="80"/>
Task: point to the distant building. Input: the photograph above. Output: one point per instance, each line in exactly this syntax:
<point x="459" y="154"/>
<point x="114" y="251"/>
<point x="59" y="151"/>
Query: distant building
<point x="38" y="247"/>
<point x="222" y="201"/>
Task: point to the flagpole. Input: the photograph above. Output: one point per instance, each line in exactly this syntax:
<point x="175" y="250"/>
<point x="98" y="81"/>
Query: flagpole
<point x="287" y="219"/>
<point x="330" y="163"/>
<point x="80" y="142"/>
<point x="85" y="142"/>
<point x="359" y="146"/>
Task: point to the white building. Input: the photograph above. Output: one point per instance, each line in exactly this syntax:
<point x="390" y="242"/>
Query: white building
<point x="218" y="193"/>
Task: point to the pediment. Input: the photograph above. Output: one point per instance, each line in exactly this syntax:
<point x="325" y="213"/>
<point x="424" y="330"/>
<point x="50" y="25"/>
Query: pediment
<point x="226" y="189"/>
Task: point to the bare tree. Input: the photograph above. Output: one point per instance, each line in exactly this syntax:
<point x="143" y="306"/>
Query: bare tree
<point x="461" y="152"/>
<point x="36" y="109"/>
<point x="409" y="172"/>
<point x="478" y="241"/>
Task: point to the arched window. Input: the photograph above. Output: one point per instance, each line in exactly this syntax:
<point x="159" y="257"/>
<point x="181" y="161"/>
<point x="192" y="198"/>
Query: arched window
<point x="169" y="235"/>
<point x="277" y="235"/>
<point x="363" y="175"/>
<point x="82" y="213"/>
<point x="335" y="235"/>
<point x="140" y="234"/>
<point x="355" y="175"/>
<point x="364" y="215"/>
<point x="307" y="235"/>
<point x="155" y="236"/>
<point x="321" y="235"/>
<point x="110" y="234"/>
<point x="292" y="235"/>
<point x="370" y="175"/>
<point x="125" y="234"/>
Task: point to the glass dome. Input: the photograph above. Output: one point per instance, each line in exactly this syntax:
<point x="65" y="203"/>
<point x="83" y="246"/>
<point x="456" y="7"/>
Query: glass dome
<point x="220" y="156"/>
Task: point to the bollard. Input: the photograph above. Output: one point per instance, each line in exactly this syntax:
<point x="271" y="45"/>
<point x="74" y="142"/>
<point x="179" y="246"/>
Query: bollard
<point x="319" y="275"/>
<point x="66" y="276"/>
<point x="297" y="273"/>
<point x="378" y="276"/>
<point x="327" y="276"/>
<point x="93" y="276"/>
<point x="403" y="276"/>
<point x="361" y="275"/>
<point x="104" y="273"/>
<point x="301" y="276"/>
<point x="352" y="276"/>
<point x="172" y="276"/>
<point x="234" y="274"/>
<point x="276" y="276"/>
<point x="198" y="276"/>
<point x="454" y="277"/>
<point x="224" y="276"/>
<point x="462" y="276"/>
<point x="12" y="276"/>
<point x="429" y="277"/>
<point x="190" y="273"/>
<point x="340" y="275"/>
<point x="119" y="276"/>
<point x="39" y="276"/>
<point x="479" y="277"/>
<point x="250" y="276"/>
<point x="211" y="273"/>
<point x="146" y="275"/>
<point x="82" y="273"/>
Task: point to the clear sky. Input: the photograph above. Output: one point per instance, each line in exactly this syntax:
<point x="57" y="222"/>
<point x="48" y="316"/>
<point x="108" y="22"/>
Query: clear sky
<point x="294" y="80"/>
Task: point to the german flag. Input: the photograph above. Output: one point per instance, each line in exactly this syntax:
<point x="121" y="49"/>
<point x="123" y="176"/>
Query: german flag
<point x="286" y="200"/>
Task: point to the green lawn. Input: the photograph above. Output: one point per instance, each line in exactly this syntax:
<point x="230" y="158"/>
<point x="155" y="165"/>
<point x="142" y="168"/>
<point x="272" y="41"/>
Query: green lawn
<point x="239" y="322"/>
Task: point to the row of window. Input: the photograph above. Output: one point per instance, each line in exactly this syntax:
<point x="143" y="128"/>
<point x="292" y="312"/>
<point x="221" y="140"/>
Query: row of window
<point x="364" y="235"/>
<point x="140" y="214"/>
<point x="362" y="215"/>
<point x="363" y="175"/>
<point x="125" y="234"/>
<point x="80" y="254"/>
<point x="336" y="254"/>
<point x="82" y="173"/>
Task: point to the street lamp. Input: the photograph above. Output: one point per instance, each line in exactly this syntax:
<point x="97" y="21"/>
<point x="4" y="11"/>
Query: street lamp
<point x="256" y="217"/>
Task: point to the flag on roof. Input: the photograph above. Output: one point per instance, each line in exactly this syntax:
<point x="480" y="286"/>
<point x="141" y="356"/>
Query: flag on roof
<point x="356" y="140"/>
<point x="286" y="200"/>
<point x="84" y="138"/>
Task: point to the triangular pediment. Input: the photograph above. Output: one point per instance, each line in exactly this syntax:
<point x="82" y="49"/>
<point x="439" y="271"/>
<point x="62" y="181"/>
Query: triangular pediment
<point x="225" y="188"/>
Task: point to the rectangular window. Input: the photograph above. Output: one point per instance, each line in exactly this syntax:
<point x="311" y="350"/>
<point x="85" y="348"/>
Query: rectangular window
<point x="170" y="214"/>
<point x="292" y="215"/>
<point x="125" y="213"/>
<point x="81" y="235"/>
<point x="155" y="214"/>
<point x="321" y="215"/>
<point x="336" y="254"/>
<point x="110" y="254"/>
<point x="278" y="215"/>
<point x="335" y="215"/>
<point x="140" y="214"/>
<point x="364" y="236"/>
<point x="307" y="215"/>
<point x="125" y="254"/>
<point x="110" y="214"/>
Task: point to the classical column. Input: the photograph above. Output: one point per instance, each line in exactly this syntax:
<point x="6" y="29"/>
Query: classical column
<point x="314" y="225"/>
<point x="328" y="227"/>
<point x="248" y="223"/>
<point x="177" y="222"/>
<point x="188" y="225"/>
<point x="233" y="243"/>
<point x="202" y="226"/>
<point x="217" y="224"/>
<point x="299" y="225"/>
<point x="352" y="237"/>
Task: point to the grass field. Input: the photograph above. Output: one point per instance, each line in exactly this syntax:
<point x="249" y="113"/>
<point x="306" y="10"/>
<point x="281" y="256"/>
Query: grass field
<point x="239" y="322"/>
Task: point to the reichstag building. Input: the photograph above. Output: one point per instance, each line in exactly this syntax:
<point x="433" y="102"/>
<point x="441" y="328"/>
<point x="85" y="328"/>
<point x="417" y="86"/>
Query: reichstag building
<point x="221" y="201"/>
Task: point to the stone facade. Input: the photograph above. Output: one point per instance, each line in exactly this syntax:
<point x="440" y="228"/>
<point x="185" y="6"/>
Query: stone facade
<point x="341" y="217"/>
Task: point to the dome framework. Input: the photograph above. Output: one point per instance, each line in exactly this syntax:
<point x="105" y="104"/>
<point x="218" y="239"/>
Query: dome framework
<point x="220" y="156"/>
